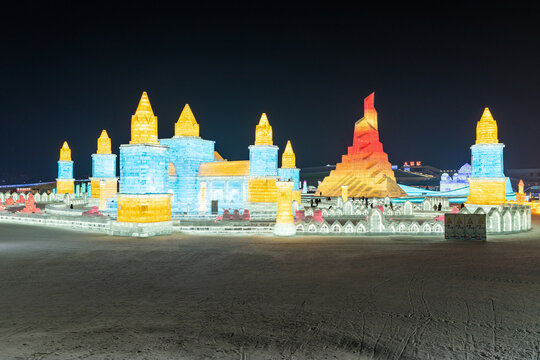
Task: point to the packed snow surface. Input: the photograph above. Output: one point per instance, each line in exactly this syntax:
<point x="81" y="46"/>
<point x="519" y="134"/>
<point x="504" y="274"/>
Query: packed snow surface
<point x="69" y="295"/>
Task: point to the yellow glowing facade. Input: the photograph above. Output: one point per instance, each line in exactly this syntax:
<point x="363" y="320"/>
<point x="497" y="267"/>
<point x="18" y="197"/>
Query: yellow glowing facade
<point x="202" y="198"/>
<point x="284" y="219"/>
<point x="263" y="132"/>
<point x="486" y="129"/>
<point x="65" y="152"/>
<point x="262" y="190"/>
<point x="104" y="143"/>
<point x="284" y="200"/>
<point x="225" y="168"/>
<point x="486" y="192"/>
<point x="344" y="192"/>
<point x="107" y="190"/>
<point x="65" y="186"/>
<point x="186" y="124"/>
<point x="296" y="195"/>
<point x="144" y="123"/>
<point x="144" y="208"/>
<point x="288" y="159"/>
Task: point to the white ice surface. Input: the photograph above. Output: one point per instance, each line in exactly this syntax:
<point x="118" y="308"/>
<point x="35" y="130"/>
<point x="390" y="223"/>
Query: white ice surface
<point x="67" y="295"/>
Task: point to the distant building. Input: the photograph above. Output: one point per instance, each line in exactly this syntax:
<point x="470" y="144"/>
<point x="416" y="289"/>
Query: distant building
<point x="460" y="179"/>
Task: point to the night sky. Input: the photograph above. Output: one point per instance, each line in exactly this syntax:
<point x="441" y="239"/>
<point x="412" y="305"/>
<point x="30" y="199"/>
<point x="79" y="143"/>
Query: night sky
<point x="71" y="69"/>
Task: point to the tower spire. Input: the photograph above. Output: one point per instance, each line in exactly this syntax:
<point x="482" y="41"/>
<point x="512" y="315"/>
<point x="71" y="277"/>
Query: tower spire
<point x="65" y="152"/>
<point x="486" y="129"/>
<point x="263" y="132"/>
<point x="187" y="124"/>
<point x="369" y="121"/>
<point x="144" y="123"/>
<point x="104" y="143"/>
<point x="288" y="159"/>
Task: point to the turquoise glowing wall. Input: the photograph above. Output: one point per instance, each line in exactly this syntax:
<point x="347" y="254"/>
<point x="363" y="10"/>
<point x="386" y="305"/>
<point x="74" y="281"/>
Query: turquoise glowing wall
<point x="487" y="160"/>
<point x="143" y="169"/>
<point x="187" y="153"/>
<point x="230" y="192"/>
<point x="263" y="160"/>
<point x="65" y="169"/>
<point x="103" y="165"/>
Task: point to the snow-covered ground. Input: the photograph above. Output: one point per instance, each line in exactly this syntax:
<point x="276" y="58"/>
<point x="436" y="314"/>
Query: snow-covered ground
<point x="67" y="295"/>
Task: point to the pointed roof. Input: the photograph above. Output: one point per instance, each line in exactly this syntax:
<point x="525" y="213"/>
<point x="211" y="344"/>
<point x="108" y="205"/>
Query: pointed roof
<point x="186" y="124"/>
<point x="65" y="152"/>
<point x="288" y="159"/>
<point x="104" y="143"/>
<point x="144" y="106"/>
<point x="144" y="123"/>
<point x="263" y="132"/>
<point x="486" y="129"/>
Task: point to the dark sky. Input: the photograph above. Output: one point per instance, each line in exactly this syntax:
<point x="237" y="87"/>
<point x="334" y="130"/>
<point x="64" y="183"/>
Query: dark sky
<point x="71" y="69"/>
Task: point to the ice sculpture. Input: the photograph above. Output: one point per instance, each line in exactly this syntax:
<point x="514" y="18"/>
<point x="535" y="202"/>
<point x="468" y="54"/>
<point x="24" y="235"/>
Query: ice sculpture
<point x="103" y="181"/>
<point x="65" y="183"/>
<point x="487" y="184"/>
<point x="365" y="168"/>
<point x="285" y="220"/>
<point x="144" y="171"/>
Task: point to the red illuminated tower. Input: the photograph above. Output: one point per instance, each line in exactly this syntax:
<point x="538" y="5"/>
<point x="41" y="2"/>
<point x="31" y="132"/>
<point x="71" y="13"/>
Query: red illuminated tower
<point x="365" y="169"/>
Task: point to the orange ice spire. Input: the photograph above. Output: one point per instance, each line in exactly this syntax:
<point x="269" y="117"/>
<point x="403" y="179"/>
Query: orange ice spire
<point x="104" y="143"/>
<point x="288" y="159"/>
<point x="186" y="124"/>
<point x="486" y="129"/>
<point x="263" y="132"/>
<point x="65" y="152"/>
<point x="369" y="121"/>
<point x="144" y="123"/>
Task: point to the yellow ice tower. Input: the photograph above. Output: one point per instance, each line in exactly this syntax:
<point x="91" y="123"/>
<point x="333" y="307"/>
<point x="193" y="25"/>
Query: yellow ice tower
<point x="103" y="182"/>
<point x="186" y="124"/>
<point x="104" y="143"/>
<point x="65" y="183"/>
<point x="263" y="132"/>
<point x="487" y="184"/>
<point x="284" y="219"/>
<point x="144" y="123"/>
<point x="288" y="159"/>
<point x="486" y="129"/>
<point x="65" y="152"/>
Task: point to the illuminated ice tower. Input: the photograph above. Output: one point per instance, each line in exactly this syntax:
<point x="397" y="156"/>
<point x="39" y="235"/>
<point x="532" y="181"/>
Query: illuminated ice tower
<point x="144" y="171"/>
<point x="104" y="182"/>
<point x="187" y="151"/>
<point x="65" y="184"/>
<point x="365" y="168"/>
<point x="263" y="159"/>
<point x="288" y="170"/>
<point x="487" y="184"/>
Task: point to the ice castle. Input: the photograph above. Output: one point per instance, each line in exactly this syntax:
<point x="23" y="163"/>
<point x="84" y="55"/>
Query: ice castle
<point x="185" y="175"/>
